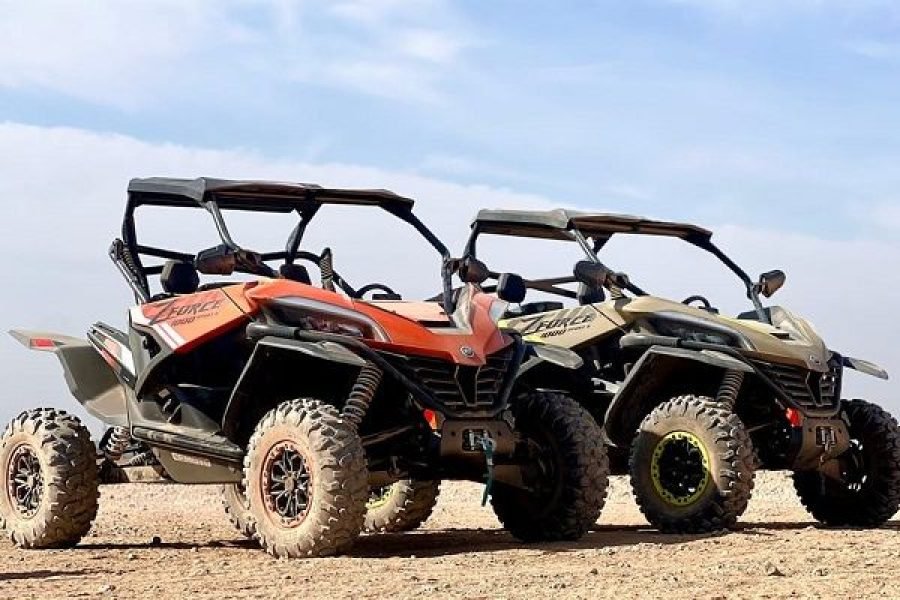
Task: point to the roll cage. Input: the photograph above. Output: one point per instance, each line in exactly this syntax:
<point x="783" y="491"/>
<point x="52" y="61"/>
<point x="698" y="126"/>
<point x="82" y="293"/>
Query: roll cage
<point x="592" y="231"/>
<point x="217" y="196"/>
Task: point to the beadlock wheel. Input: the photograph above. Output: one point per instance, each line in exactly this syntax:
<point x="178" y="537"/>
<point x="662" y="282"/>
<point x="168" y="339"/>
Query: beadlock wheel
<point x="286" y="483"/>
<point x="680" y="468"/>
<point x="25" y="481"/>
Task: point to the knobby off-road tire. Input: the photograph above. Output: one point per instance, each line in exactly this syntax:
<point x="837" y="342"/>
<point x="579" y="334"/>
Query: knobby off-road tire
<point x="692" y="466"/>
<point x="567" y="494"/>
<point x="870" y="495"/>
<point x="50" y="480"/>
<point x="403" y="506"/>
<point x="306" y="445"/>
<point x="234" y="500"/>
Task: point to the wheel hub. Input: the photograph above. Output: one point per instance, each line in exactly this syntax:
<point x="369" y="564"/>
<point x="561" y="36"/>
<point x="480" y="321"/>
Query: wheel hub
<point x="25" y="481"/>
<point x="680" y="468"/>
<point x="287" y="484"/>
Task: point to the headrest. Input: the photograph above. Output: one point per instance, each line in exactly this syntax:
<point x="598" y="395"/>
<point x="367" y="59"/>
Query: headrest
<point x="179" y="278"/>
<point x="511" y="287"/>
<point x="295" y="273"/>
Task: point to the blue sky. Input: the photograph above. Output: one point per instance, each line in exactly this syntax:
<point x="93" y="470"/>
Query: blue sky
<point x="702" y="109"/>
<point x="776" y="123"/>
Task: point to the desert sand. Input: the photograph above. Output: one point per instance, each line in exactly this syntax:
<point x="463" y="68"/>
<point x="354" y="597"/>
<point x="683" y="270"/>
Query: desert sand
<point x="460" y="553"/>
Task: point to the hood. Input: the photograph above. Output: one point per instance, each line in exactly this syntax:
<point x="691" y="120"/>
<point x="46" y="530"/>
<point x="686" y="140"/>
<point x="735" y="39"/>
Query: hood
<point x="790" y="339"/>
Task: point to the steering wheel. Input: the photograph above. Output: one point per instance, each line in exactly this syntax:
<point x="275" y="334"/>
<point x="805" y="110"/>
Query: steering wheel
<point x="372" y="287"/>
<point x="707" y="305"/>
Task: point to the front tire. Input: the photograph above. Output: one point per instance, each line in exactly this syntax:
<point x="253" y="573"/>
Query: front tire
<point x="692" y="466"/>
<point x="403" y="506"/>
<point x="570" y="474"/>
<point x="869" y="492"/>
<point x="51" y="482"/>
<point x="306" y="481"/>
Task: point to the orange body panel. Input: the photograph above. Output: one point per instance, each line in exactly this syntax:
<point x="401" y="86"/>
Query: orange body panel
<point x="407" y="336"/>
<point x="184" y="322"/>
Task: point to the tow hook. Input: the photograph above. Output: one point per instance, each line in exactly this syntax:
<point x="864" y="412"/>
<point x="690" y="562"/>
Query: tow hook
<point x="826" y="438"/>
<point x="487" y="445"/>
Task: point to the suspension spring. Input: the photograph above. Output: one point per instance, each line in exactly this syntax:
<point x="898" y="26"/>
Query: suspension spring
<point x="730" y="388"/>
<point x="361" y="395"/>
<point x="117" y="441"/>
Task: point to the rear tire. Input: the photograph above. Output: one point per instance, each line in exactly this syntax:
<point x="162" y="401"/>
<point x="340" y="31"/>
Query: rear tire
<point x="870" y="495"/>
<point x="565" y="500"/>
<point x="234" y="500"/>
<point x="692" y="466"/>
<point x="403" y="506"/>
<point x="306" y="481"/>
<point x="50" y="486"/>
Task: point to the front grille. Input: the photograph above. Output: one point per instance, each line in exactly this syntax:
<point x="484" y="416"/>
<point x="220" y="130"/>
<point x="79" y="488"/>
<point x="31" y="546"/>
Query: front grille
<point x="462" y="388"/>
<point x="807" y="389"/>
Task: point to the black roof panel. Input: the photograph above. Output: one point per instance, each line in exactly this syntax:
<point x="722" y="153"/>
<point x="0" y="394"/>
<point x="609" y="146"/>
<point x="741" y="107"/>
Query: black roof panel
<point x="556" y="224"/>
<point x="254" y="195"/>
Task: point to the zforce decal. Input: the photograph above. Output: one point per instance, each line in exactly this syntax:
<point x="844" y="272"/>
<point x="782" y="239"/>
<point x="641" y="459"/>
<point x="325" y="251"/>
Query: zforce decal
<point x="184" y="321"/>
<point x="554" y="324"/>
<point x="182" y="311"/>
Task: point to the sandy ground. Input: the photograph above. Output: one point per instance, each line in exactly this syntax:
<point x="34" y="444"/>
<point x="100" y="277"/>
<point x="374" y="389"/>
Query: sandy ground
<point x="461" y="553"/>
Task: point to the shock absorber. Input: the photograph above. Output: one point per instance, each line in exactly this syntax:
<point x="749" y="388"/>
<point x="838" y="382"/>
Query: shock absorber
<point x="730" y="388"/>
<point x="115" y="443"/>
<point x="361" y="395"/>
<point x="326" y="268"/>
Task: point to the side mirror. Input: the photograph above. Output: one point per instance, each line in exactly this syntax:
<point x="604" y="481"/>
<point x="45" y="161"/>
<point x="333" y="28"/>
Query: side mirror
<point x="472" y="270"/>
<point x="597" y="275"/>
<point x="511" y="288"/>
<point x="220" y="260"/>
<point x="770" y="282"/>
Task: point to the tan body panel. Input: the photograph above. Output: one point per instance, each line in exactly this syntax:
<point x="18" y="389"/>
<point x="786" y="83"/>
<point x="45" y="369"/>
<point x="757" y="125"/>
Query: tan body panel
<point x="569" y="327"/>
<point x="577" y="326"/>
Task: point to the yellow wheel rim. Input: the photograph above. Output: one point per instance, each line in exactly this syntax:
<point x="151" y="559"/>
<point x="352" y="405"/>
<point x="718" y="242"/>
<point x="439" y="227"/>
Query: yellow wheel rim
<point x="380" y="496"/>
<point x="680" y="468"/>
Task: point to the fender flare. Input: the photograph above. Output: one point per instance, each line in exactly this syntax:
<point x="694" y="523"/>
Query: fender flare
<point x="655" y="363"/>
<point x="91" y="381"/>
<point x="321" y="351"/>
<point x="555" y="355"/>
<point x="864" y="366"/>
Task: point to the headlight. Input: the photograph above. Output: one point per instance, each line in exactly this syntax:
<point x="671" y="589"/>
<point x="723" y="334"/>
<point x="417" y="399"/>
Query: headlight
<point x="698" y="330"/>
<point x="313" y="315"/>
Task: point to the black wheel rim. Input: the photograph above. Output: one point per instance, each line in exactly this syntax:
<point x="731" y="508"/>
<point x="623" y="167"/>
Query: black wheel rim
<point x="854" y="473"/>
<point x="287" y="484"/>
<point x="544" y="476"/>
<point x="680" y="468"/>
<point x="25" y="481"/>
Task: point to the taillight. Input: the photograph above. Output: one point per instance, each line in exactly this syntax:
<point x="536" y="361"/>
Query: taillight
<point x="431" y="418"/>
<point x="794" y="417"/>
<point x="42" y="344"/>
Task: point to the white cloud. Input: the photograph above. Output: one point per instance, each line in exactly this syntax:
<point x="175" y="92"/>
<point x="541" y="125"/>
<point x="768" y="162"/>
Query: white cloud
<point x="875" y="50"/>
<point x="107" y="53"/>
<point x="62" y="196"/>
<point x="885" y="215"/>
<point x="134" y="55"/>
